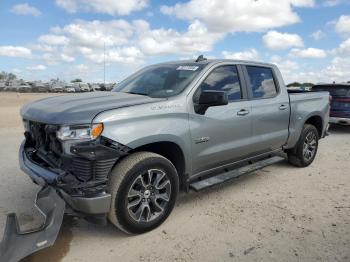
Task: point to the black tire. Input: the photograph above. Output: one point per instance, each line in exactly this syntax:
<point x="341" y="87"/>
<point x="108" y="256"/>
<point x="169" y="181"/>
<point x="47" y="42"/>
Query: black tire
<point x="296" y="155"/>
<point x="124" y="178"/>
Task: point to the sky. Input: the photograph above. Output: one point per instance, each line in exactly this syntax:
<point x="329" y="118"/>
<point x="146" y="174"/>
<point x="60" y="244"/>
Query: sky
<point x="308" y="39"/>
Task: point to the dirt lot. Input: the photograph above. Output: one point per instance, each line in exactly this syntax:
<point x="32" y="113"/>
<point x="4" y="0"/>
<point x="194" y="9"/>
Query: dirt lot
<point x="280" y="213"/>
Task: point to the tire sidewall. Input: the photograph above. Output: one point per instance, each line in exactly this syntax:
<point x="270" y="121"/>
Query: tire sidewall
<point x="121" y="197"/>
<point x="306" y="130"/>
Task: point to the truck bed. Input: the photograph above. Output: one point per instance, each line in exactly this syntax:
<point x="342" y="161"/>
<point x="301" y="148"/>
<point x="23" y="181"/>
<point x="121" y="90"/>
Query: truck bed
<point x="300" y="104"/>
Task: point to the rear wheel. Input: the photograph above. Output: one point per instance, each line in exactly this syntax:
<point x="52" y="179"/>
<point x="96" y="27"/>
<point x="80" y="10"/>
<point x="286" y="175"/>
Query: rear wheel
<point x="306" y="148"/>
<point x="144" y="188"/>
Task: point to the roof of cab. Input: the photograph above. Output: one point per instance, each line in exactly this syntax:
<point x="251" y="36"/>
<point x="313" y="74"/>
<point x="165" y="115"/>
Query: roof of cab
<point x="216" y="61"/>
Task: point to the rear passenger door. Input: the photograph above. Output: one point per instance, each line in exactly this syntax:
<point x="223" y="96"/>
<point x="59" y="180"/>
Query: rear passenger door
<point x="270" y="108"/>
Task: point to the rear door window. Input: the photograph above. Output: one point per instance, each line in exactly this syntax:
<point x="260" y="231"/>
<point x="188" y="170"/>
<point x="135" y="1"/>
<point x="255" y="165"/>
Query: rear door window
<point x="261" y="82"/>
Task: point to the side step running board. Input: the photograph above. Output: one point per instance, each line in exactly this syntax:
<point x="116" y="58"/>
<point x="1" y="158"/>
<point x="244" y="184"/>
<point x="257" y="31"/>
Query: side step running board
<point x="16" y="244"/>
<point x="218" y="179"/>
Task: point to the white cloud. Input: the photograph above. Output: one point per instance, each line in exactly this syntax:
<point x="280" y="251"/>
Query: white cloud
<point x="237" y="16"/>
<point x="343" y="49"/>
<point x="96" y="33"/>
<point x="317" y="35"/>
<point x="342" y="26"/>
<point x="111" y="7"/>
<point x="126" y="42"/>
<point x="303" y="3"/>
<point x="251" y="54"/>
<point x="332" y="2"/>
<point x="287" y="67"/>
<point x="308" y="53"/>
<point x="284" y="63"/>
<point x="67" y="58"/>
<point x="53" y="39"/>
<point x="338" y="70"/>
<point x="197" y="38"/>
<point x="54" y="58"/>
<point x="127" y="55"/>
<point x="82" y="68"/>
<point x="36" y="68"/>
<point x="15" y="51"/>
<point x="277" y="41"/>
<point x="25" y="9"/>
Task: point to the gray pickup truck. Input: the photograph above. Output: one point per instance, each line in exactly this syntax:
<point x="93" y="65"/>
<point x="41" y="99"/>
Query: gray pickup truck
<point x="173" y="126"/>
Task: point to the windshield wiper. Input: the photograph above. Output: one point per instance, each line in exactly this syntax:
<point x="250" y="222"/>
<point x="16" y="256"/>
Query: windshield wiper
<point x="135" y="93"/>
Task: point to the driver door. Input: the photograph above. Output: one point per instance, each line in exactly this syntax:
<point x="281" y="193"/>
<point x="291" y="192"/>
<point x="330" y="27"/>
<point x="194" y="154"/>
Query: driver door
<point x="223" y="133"/>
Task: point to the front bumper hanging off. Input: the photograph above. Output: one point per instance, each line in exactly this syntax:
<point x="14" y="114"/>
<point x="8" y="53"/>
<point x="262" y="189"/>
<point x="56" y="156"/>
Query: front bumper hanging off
<point x="88" y="198"/>
<point x="17" y="244"/>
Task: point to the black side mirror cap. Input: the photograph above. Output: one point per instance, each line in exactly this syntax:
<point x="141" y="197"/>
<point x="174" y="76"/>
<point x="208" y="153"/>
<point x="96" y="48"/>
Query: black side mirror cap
<point x="210" y="98"/>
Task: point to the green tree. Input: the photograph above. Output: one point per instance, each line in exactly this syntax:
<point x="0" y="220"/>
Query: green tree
<point x="3" y="75"/>
<point x="294" y="84"/>
<point x="77" y="80"/>
<point x="308" y="84"/>
<point x="11" y="76"/>
<point x="7" y="76"/>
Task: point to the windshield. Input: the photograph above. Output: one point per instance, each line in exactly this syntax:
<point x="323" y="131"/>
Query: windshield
<point x="160" y="81"/>
<point x="335" y="91"/>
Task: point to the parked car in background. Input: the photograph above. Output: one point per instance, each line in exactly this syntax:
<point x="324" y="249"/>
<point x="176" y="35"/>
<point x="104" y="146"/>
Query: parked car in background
<point x="109" y="86"/>
<point x="340" y="104"/>
<point x="84" y="87"/>
<point x="2" y="86"/>
<point x="69" y="88"/>
<point x="57" y="88"/>
<point x="76" y="87"/>
<point x="13" y="85"/>
<point x="24" y="88"/>
<point x="41" y="87"/>
<point x="95" y="87"/>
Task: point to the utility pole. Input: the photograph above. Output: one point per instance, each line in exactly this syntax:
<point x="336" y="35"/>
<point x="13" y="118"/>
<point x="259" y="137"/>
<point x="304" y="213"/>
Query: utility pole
<point x="104" y="63"/>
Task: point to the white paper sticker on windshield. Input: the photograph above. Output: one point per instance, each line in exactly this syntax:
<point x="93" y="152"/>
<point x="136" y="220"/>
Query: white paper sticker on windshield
<point x="189" y="68"/>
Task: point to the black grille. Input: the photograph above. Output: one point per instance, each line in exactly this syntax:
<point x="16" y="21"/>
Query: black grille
<point x="85" y="169"/>
<point x="102" y="168"/>
<point x="43" y="137"/>
<point x="82" y="168"/>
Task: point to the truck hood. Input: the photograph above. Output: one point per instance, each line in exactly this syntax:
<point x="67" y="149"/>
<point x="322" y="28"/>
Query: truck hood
<point x="79" y="108"/>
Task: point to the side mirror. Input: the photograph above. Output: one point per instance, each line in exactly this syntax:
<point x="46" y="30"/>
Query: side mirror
<point x="208" y="99"/>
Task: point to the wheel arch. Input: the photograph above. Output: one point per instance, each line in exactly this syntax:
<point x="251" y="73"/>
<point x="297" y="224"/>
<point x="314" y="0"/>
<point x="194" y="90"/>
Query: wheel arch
<point x="173" y="152"/>
<point x="316" y="121"/>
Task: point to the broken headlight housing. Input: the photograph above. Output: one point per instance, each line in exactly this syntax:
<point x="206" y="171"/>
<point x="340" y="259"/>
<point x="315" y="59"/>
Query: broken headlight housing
<point x="80" y="132"/>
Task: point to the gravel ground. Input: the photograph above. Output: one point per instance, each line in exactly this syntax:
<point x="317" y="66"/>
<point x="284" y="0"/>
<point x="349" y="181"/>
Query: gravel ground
<point x="280" y="213"/>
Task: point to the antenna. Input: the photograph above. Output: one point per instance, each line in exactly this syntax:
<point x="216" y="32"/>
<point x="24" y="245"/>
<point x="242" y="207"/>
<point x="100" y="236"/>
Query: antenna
<point x="104" y="63"/>
<point x="200" y="58"/>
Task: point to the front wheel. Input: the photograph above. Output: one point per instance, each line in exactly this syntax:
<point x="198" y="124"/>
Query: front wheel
<point x="306" y="148"/>
<point x="144" y="188"/>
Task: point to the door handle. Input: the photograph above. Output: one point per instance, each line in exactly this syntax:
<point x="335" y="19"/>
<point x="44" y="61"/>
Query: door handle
<point x="242" y="112"/>
<point x="283" y="107"/>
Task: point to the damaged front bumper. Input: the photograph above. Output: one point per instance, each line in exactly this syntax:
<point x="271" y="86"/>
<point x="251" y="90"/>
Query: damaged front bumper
<point x="17" y="244"/>
<point x="61" y="192"/>
<point x="95" y="204"/>
<point x="88" y="197"/>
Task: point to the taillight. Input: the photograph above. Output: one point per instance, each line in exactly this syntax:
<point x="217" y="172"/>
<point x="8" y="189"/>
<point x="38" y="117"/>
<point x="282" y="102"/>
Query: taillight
<point x="330" y="99"/>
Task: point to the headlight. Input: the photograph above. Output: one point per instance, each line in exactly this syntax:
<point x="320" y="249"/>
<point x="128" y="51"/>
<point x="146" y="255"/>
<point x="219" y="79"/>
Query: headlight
<point x="81" y="132"/>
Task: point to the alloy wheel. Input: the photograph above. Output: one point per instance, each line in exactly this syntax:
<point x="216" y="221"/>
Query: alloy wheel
<point x="148" y="195"/>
